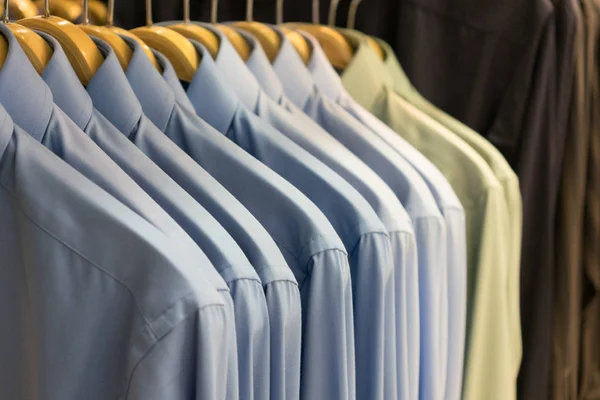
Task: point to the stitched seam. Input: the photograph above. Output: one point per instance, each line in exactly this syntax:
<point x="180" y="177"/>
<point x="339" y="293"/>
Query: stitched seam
<point x="385" y="234"/>
<point x="297" y="256"/>
<point x="82" y="256"/>
<point x="158" y="340"/>
<point x="312" y="257"/>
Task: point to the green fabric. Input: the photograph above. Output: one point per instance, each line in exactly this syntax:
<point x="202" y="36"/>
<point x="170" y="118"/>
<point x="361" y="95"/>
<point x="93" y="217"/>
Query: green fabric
<point x="487" y="188"/>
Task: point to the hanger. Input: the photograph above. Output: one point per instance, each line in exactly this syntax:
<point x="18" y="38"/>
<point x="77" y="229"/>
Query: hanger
<point x="235" y="38"/>
<point x="350" y="25"/>
<point x="122" y="32"/>
<point x="66" y="9"/>
<point x="268" y="38"/>
<point x="23" y="9"/>
<point x="81" y="51"/>
<point x="175" y="47"/>
<point x="35" y="47"/>
<point x="98" y="12"/>
<point x="336" y="47"/>
<point x="197" y="32"/>
<point x="297" y="40"/>
<point x="120" y="47"/>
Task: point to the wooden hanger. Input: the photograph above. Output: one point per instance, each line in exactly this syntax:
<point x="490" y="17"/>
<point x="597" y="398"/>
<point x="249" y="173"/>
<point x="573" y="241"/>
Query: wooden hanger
<point x="84" y="56"/>
<point x="237" y="40"/>
<point x="22" y="9"/>
<point x="119" y="46"/>
<point x="336" y="47"/>
<point x="122" y="32"/>
<point x="350" y="25"/>
<point x="175" y="47"/>
<point x="196" y="32"/>
<point x="38" y="51"/>
<point x="65" y="9"/>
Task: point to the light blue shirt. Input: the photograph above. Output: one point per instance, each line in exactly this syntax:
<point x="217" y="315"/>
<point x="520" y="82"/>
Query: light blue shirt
<point x="251" y="315"/>
<point x="283" y="297"/>
<point x="389" y="209"/>
<point x="90" y="289"/>
<point x="312" y="247"/>
<point x="414" y="194"/>
<point x="455" y="296"/>
<point x="364" y="236"/>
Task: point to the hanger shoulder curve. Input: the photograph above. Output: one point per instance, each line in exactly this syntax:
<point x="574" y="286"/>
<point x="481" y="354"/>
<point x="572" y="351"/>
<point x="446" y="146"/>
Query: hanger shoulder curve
<point x="175" y="47"/>
<point x="145" y="47"/>
<point x="299" y="43"/>
<point x="200" y="34"/>
<point x="237" y="40"/>
<point x="120" y="47"/>
<point x="3" y="50"/>
<point x="38" y="51"/>
<point x="81" y="51"/>
<point x="268" y="38"/>
<point x="336" y="47"/>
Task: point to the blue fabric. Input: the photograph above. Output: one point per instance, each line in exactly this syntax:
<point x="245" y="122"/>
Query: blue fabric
<point x="89" y="289"/>
<point x="283" y="300"/>
<point x="303" y="233"/>
<point x="453" y="345"/>
<point x="356" y="223"/>
<point x="317" y="141"/>
<point x="416" y="197"/>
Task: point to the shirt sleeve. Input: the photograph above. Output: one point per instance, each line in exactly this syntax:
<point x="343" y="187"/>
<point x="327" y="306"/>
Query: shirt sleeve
<point x="187" y="362"/>
<point x="488" y="315"/>
<point x="406" y="311"/>
<point x="328" y="329"/>
<point x="285" y="317"/>
<point x="252" y="330"/>
<point x="456" y="300"/>
<point x="431" y="246"/>
<point x="373" y="290"/>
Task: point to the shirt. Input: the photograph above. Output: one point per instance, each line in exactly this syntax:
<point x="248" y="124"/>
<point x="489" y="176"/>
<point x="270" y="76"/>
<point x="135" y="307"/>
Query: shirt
<point x="307" y="239"/>
<point x="496" y="161"/>
<point x="364" y="236"/>
<point x="246" y="288"/>
<point x="308" y="134"/>
<point x="415" y="196"/>
<point x="454" y="294"/>
<point x="32" y="106"/>
<point x="283" y="297"/>
<point x="115" y="306"/>
<point x="252" y="325"/>
<point x="490" y="316"/>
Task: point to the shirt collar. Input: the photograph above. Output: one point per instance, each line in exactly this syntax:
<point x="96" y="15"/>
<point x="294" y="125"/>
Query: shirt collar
<point x="234" y="71"/>
<point x="293" y="74"/>
<point x="25" y="96"/>
<point x="111" y="94"/>
<point x="170" y="76"/>
<point x="324" y="75"/>
<point x="366" y="73"/>
<point x="213" y="101"/>
<point x="393" y="67"/>
<point x="259" y="64"/>
<point x="68" y="93"/>
<point x="153" y="93"/>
